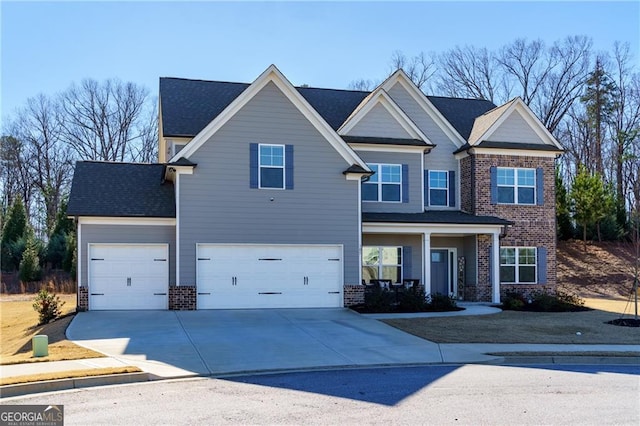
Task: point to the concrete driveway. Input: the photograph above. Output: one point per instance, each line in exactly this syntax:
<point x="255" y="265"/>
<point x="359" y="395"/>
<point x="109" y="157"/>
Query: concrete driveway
<point x="175" y="343"/>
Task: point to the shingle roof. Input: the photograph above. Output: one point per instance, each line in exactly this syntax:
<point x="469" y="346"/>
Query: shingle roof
<point x="189" y="105"/>
<point x="120" y="189"/>
<point x="460" y="112"/>
<point x="452" y="217"/>
<point x="385" y="141"/>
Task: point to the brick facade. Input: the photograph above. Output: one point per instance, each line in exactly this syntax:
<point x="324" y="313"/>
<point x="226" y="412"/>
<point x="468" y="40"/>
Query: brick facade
<point x="534" y="225"/>
<point x="182" y="298"/>
<point x="83" y="299"/>
<point x="353" y="295"/>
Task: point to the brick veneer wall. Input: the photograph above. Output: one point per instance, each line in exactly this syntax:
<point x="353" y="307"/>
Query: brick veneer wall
<point x="83" y="299"/>
<point x="182" y="298"/>
<point x="466" y="183"/>
<point x="534" y="226"/>
<point x="353" y="295"/>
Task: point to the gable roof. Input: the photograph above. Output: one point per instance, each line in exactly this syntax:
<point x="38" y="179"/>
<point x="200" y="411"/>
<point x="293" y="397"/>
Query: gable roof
<point x="189" y="105"/>
<point x="272" y="75"/>
<point x="380" y="97"/>
<point x="435" y="216"/>
<point x="461" y="112"/>
<point x="486" y="124"/>
<point x="120" y="189"/>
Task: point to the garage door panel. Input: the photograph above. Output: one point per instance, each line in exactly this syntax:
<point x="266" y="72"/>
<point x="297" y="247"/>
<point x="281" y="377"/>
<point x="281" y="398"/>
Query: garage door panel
<point x="124" y="276"/>
<point x="255" y="276"/>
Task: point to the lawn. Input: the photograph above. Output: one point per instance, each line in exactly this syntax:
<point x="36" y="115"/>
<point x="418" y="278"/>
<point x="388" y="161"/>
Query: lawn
<point x="18" y="326"/>
<point x="525" y="327"/>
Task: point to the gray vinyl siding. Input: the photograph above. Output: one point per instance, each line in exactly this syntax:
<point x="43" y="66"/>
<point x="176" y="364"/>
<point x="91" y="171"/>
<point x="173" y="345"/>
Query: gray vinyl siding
<point x="439" y="158"/>
<point x="127" y="234"/>
<point x="379" y="123"/>
<point x="515" y="129"/>
<point x="414" y="241"/>
<point x="216" y="204"/>
<point x="414" y="163"/>
<point x="470" y="254"/>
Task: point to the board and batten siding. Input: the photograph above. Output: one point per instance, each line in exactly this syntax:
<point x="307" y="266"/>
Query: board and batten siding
<point x="414" y="163"/>
<point x="439" y="158"/>
<point x="217" y="205"/>
<point x="127" y="234"/>
<point x="378" y="122"/>
<point x="515" y="129"/>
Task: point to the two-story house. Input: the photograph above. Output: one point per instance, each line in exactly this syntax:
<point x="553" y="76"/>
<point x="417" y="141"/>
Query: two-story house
<point x="269" y="195"/>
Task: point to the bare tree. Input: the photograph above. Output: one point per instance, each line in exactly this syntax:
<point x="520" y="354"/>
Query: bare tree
<point x="419" y="68"/>
<point x="625" y="121"/>
<point x="363" y="85"/>
<point x="471" y="72"/>
<point x="15" y="178"/>
<point x="564" y="83"/>
<point x="50" y="165"/>
<point x="146" y="149"/>
<point x="529" y="64"/>
<point x="101" y="119"/>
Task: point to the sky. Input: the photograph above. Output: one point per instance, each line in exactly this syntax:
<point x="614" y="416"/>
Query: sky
<point x="46" y="46"/>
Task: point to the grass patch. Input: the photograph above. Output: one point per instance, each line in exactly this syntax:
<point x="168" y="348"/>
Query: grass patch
<point x="72" y="374"/>
<point x="522" y="327"/>
<point x="19" y="321"/>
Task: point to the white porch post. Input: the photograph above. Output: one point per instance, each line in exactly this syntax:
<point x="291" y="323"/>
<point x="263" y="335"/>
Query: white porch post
<point x="427" y="261"/>
<point x="495" y="268"/>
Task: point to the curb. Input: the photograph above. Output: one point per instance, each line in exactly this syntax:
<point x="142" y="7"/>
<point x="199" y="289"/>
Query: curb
<point x="567" y="359"/>
<point x="74" y="383"/>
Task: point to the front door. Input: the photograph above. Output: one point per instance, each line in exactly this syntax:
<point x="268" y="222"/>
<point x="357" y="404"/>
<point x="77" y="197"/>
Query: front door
<point x="440" y="272"/>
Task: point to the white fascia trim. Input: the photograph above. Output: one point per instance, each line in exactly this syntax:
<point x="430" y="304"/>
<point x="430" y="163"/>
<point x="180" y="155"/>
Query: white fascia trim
<point x="273" y="75"/>
<point x="177" y="197"/>
<point x="379" y="96"/>
<point x="389" y="148"/>
<point x="150" y="221"/>
<point x="431" y="228"/>
<point x="356" y="176"/>
<point x="510" y="152"/>
<point x="171" y="171"/>
<point x="422" y="100"/>
<point x="79" y="256"/>
<point x="518" y="104"/>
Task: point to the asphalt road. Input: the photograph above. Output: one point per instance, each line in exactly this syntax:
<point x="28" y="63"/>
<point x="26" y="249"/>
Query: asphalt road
<point x="470" y="394"/>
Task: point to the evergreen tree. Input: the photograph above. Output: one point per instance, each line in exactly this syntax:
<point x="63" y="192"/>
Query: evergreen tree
<point x="12" y="231"/>
<point x="30" y="263"/>
<point x="599" y="102"/>
<point x="57" y="246"/>
<point x="590" y="199"/>
<point x="564" y="226"/>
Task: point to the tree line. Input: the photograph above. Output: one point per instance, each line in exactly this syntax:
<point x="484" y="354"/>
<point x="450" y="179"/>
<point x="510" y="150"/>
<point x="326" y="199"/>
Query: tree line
<point x="589" y="100"/>
<point x="109" y="120"/>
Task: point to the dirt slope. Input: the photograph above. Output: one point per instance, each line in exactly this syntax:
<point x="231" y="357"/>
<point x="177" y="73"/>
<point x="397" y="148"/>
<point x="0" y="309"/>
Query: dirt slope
<point x="604" y="270"/>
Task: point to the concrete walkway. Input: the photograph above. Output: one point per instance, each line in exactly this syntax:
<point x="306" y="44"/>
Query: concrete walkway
<point x="175" y="344"/>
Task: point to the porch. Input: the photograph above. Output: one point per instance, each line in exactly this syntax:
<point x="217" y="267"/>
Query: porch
<point x="450" y="252"/>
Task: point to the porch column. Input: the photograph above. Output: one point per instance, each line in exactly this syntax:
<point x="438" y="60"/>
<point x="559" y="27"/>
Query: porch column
<point x="426" y="257"/>
<point x="495" y="267"/>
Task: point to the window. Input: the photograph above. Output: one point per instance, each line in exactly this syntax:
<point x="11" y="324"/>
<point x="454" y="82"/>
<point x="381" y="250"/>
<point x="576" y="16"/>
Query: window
<point x="516" y="186"/>
<point x="385" y="184"/>
<point x="382" y="263"/>
<point x="177" y="147"/>
<point x="438" y="188"/>
<point x="518" y="265"/>
<point x="271" y="165"/>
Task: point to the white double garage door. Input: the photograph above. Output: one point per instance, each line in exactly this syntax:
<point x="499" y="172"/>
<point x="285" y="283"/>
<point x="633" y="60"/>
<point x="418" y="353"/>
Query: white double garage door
<point x="126" y="276"/>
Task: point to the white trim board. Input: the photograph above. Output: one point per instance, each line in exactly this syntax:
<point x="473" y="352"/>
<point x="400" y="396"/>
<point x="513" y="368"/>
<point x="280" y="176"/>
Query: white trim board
<point x="90" y="220"/>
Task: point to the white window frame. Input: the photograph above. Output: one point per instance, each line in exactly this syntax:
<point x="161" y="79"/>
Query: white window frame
<point x="517" y="264"/>
<point x="260" y="166"/>
<point x="516" y="185"/>
<point x="379" y="183"/>
<point x="380" y="265"/>
<point x="446" y="200"/>
<point x="173" y="147"/>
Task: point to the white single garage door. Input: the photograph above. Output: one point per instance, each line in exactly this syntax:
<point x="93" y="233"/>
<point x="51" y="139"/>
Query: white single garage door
<point x="128" y="276"/>
<point x="267" y="276"/>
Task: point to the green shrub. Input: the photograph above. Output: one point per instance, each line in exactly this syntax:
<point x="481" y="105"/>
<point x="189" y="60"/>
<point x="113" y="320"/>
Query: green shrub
<point x="412" y="300"/>
<point x="47" y="305"/>
<point x="378" y="299"/>
<point x="513" y="301"/>
<point x="30" y="264"/>
<point x="438" y="302"/>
